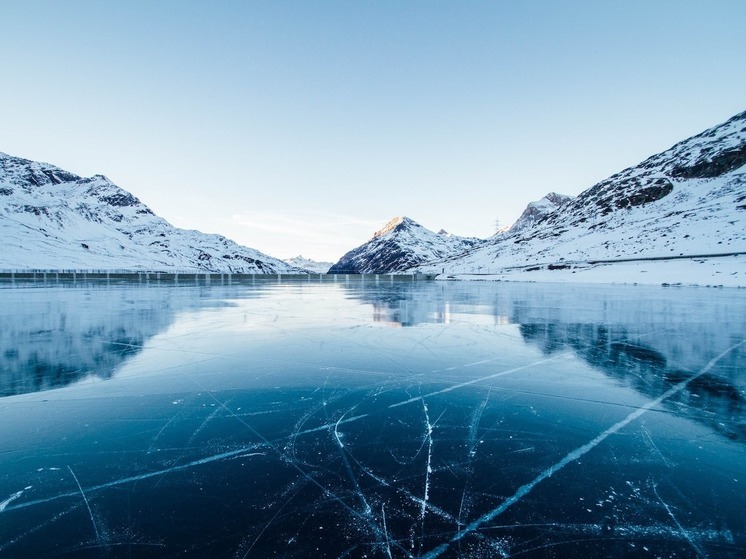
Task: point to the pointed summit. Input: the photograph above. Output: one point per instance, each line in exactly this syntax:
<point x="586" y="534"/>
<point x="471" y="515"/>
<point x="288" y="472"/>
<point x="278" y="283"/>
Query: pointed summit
<point x="400" y="245"/>
<point x="397" y="224"/>
<point x="536" y="211"/>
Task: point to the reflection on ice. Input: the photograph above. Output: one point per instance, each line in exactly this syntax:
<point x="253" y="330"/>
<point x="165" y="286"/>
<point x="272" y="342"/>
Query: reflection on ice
<point x="50" y="338"/>
<point x="282" y="420"/>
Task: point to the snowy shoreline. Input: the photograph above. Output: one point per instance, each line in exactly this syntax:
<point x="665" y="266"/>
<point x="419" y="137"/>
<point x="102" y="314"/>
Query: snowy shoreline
<point x="723" y="271"/>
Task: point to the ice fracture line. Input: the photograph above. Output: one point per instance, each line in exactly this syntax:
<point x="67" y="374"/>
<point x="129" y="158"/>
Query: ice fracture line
<point x="130" y="479"/>
<point x="682" y="530"/>
<point x="88" y="506"/>
<point x="575" y="455"/>
<point x="429" y="467"/>
<point x="481" y="379"/>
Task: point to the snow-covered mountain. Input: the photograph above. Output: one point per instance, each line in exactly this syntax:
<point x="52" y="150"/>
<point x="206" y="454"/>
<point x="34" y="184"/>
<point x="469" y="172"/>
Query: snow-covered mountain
<point x="535" y="211"/>
<point x="400" y="245"/>
<point x="53" y="219"/>
<point x="309" y="265"/>
<point x="689" y="200"/>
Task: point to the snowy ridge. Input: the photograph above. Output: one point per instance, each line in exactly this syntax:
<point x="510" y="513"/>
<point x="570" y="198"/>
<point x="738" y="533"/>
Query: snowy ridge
<point x="308" y="265"/>
<point x="53" y="219"/>
<point x="400" y="245"/>
<point x="688" y="200"/>
<point x="535" y="211"/>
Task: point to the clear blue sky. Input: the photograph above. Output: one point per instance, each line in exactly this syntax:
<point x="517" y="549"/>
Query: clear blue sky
<point x="302" y="127"/>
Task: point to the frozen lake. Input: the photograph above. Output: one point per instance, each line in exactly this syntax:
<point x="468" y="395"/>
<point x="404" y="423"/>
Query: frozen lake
<point x="385" y="419"/>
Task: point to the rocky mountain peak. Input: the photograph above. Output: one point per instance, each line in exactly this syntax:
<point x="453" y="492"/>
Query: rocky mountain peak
<point x="311" y="266"/>
<point x="535" y="211"/>
<point x="714" y="153"/>
<point x="29" y="174"/>
<point x="400" y="245"/>
<point x="401" y="223"/>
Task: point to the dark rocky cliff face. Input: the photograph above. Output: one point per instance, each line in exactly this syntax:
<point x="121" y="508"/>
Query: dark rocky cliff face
<point x="28" y="174"/>
<point x="384" y="259"/>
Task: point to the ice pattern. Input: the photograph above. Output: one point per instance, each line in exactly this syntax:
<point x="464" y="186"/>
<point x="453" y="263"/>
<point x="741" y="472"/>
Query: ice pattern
<point x="372" y="417"/>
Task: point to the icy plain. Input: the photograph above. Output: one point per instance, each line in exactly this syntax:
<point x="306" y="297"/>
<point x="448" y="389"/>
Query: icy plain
<point x="372" y="418"/>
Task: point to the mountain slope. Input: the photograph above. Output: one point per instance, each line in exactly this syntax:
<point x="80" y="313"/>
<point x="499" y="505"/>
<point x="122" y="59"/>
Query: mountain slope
<point x="53" y="219"/>
<point x="308" y="265"/>
<point x="400" y="245"/>
<point x="535" y="211"/>
<point x="688" y="200"/>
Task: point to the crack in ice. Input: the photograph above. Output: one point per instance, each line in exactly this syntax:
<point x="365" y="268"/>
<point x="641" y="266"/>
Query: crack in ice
<point x="429" y="468"/>
<point x="139" y="477"/>
<point x="575" y="455"/>
<point x="480" y="379"/>
<point x="87" y="504"/>
<point x="687" y="536"/>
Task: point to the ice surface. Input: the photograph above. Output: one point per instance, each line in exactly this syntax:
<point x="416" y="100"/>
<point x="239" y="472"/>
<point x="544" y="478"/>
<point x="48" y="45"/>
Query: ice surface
<point x="299" y="419"/>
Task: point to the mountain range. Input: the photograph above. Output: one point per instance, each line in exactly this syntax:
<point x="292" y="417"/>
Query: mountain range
<point x="308" y="265"/>
<point x="54" y="219"/>
<point x="686" y="202"/>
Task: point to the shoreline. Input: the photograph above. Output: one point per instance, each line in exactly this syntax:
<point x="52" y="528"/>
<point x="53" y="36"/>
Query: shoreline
<point x="717" y="271"/>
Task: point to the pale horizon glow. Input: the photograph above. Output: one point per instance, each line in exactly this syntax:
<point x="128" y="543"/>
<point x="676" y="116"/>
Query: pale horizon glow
<point x="302" y="128"/>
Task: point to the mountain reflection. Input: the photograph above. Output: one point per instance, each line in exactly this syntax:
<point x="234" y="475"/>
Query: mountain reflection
<point x="647" y="338"/>
<point x="714" y="398"/>
<point x="53" y="337"/>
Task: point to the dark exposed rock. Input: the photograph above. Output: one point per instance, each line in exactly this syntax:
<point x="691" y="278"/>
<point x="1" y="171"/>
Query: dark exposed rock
<point x="36" y="210"/>
<point x="120" y="199"/>
<point x="58" y="176"/>
<point x="6" y="191"/>
<point x="660" y="189"/>
<point x="722" y="163"/>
